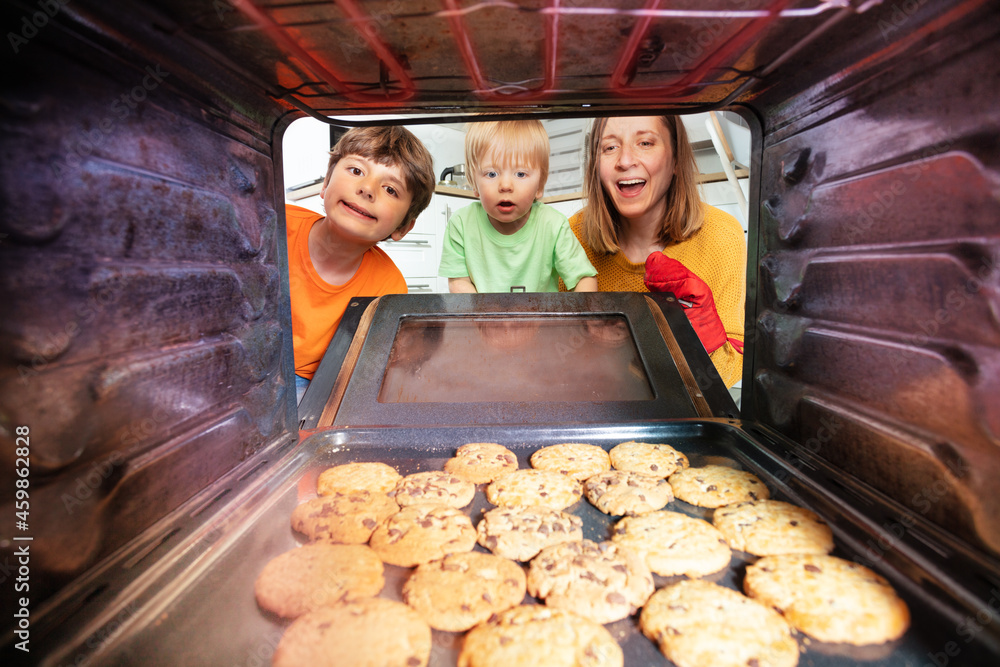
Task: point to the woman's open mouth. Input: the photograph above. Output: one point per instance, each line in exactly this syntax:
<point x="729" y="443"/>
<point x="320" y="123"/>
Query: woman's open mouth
<point x="631" y="186"/>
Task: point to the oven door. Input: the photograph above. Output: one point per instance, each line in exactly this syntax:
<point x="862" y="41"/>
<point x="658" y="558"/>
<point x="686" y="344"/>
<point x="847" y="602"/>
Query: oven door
<point x="445" y="359"/>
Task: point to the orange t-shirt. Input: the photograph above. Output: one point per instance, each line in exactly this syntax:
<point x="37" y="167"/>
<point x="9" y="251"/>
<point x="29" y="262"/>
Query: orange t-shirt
<point x="318" y="306"/>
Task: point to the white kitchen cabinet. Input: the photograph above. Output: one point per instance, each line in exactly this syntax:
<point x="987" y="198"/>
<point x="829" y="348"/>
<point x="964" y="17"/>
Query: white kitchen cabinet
<point x="418" y="254"/>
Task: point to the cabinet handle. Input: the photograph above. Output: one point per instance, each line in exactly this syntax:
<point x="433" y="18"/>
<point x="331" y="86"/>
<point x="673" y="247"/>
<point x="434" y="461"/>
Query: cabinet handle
<point x="419" y="288"/>
<point x="408" y="242"/>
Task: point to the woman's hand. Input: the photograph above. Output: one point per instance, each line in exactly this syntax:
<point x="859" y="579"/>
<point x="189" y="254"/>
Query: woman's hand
<point x="664" y="274"/>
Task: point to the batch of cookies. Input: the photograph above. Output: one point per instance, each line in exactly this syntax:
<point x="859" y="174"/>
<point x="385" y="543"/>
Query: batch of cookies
<point x="367" y="514"/>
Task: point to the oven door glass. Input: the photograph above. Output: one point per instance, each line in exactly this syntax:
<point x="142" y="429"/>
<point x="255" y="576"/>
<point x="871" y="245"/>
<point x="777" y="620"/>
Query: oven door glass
<point x="565" y="358"/>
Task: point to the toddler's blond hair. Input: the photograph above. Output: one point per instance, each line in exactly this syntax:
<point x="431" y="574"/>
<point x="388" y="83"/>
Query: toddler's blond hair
<point x="514" y="141"/>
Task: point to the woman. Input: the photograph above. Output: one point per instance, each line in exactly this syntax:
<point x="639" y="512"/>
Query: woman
<point x="645" y="228"/>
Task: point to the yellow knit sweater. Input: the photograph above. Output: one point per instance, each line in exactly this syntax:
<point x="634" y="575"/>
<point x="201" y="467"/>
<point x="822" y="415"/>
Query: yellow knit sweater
<point x="716" y="253"/>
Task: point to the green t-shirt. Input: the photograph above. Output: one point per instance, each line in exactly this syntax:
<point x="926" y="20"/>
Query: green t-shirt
<point x="534" y="257"/>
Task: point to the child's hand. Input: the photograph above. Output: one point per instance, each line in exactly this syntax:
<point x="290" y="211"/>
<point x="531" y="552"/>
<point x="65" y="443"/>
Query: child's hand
<point x="461" y="286"/>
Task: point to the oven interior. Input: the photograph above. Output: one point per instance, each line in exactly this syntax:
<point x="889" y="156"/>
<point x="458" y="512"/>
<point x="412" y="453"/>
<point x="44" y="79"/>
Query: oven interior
<point x="145" y="334"/>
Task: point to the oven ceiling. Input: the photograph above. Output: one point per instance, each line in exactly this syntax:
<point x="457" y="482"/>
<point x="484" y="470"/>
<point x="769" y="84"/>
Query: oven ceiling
<point x="439" y="56"/>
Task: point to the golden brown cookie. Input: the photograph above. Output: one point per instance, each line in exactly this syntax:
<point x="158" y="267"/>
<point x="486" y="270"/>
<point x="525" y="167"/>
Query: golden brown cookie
<point x="616" y="492"/>
<point x="674" y="543"/>
<point x="434" y="487"/>
<point x="318" y="575"/>
<point x="348" y="517"/>
<point x="364" y="633"/>
<point x="771" y="527"/>
<point x="828" y="598"/>
<point x="604" y="582"/>
<point x="519" y="533"/>
<point x="368" y="476"/>
<point x="422" y="533"/>
<point x="698" y="623"/>
<point x="539" y="635"/>
<point x="481" y="462"/>
<point x="528" y="487"/>
<point x="715" y="486"/>
<point x="655" y="460"/>
<point x="461" y="590"/>
<point x="575" y="459"/>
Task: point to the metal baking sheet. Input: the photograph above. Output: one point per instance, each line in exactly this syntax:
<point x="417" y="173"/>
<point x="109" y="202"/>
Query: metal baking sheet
<point x="211" y="617"/>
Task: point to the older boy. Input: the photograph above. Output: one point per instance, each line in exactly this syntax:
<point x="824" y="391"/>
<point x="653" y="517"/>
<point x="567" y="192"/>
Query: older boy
<point x="508" y="241"/>
<point x="377" y="182"/>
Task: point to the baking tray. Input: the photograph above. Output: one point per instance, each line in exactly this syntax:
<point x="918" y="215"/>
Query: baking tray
<point x="208" y="615"/>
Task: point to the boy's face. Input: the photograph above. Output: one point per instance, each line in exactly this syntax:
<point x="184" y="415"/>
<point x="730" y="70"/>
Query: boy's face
<point x="366" y="202"/>
<point x="507" y="191"/>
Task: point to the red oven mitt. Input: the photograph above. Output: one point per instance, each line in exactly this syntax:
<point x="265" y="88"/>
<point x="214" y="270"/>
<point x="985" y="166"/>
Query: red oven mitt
<point x="664" y="274"/>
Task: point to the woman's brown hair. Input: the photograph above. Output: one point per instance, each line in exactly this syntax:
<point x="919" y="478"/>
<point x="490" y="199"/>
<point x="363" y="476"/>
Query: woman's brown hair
<point x="684" y="216"/>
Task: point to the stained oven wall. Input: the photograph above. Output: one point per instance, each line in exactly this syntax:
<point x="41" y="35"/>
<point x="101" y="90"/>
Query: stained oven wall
<point x="141" y="283"/>
<point x="874" y="306"/>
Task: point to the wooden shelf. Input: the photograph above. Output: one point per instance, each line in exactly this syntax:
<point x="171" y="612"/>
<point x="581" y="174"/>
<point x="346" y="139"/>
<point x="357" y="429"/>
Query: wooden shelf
<point x="454" y="192"/>
<point x="714" y="177"/>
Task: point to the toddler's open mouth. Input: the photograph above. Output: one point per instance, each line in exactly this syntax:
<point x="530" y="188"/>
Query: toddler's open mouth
<point x="506" y="206"/>
<point x="631" y="186"/>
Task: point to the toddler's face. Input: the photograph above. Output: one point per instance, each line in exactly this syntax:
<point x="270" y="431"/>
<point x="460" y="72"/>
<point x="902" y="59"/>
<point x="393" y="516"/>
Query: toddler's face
<point x="507" y="190"/>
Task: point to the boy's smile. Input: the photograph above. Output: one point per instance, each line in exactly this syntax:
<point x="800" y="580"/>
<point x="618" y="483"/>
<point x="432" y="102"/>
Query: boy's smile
<point x="507" y="192"/>
<point x="359" y="210"/>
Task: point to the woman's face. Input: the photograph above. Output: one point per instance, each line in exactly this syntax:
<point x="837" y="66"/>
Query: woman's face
<point x="637" y="166"/>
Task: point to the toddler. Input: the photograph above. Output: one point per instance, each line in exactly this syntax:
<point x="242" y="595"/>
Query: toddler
<point x="509" y="241"/>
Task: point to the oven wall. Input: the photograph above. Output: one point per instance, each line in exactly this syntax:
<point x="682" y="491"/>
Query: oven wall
<point x="143" y="286"/>
<point x="873" y="313"/>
